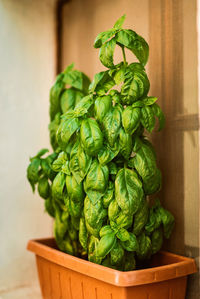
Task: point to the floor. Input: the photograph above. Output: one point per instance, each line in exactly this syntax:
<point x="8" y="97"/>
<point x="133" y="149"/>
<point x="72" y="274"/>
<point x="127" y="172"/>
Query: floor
<point x="30" y="292"/>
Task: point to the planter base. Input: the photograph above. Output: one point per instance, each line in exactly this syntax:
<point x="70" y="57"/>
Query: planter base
<point x="67" y="277"/>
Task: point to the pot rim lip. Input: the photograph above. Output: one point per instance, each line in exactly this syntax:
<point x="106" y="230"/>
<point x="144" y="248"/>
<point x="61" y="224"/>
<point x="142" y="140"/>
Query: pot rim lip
<point x="182" y="266"/>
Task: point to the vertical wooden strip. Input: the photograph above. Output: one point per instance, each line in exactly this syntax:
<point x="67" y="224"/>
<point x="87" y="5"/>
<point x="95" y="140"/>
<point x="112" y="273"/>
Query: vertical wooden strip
<point x="168" y="41"/>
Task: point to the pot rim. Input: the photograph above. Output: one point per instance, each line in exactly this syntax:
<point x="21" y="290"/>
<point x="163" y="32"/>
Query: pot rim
<point x="181" y="266"/>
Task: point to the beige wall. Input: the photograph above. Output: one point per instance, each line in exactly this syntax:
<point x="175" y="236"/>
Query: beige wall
<point x="27" y="70"/>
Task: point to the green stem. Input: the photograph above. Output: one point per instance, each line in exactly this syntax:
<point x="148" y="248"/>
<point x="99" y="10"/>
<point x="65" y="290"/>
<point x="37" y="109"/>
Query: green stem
<point x="124" y="56"/>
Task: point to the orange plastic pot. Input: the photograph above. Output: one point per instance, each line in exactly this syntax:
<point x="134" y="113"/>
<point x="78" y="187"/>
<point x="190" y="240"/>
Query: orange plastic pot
<point x="63" y="276"/>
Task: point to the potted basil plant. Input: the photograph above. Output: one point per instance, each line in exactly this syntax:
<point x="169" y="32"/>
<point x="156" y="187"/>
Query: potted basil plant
<point x="97" y="181"/>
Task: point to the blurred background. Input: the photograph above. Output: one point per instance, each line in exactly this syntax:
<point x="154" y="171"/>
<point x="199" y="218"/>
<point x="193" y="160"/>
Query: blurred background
<point x="38" y="39"/>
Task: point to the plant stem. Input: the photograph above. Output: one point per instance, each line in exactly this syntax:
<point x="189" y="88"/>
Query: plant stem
<point x="124" y="56"/>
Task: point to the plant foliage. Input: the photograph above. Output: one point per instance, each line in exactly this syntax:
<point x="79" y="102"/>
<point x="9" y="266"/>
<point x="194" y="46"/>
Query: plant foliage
<point x="97" y="181"/>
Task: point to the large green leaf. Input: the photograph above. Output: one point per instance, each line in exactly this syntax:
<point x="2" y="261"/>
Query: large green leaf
<point x="134" y="42"/>
<point x="141" y="217"/>
<point x="148" y="118"/>
<point x="125" y="143"/>
<point x="58" y="185"/>
<point x="74" y="189"/>
<point x="79" y="162"/>
<point x="131" y="119"/>
<point x="69" y="98"/>
<point x="102" y="83"/>
<point x="144" y="251"/>
<point x="145" y="163"/>
<point x="107" y="154"/>
<point x="95" y="215"/>
<point x="131" y="244"/>
<point x="160" y="115"/>
<point x="106" y="53"/>
<point x="33" y="172"/>
<point x="128" y="191"/>
<point x="106" y="244"/>
<point x="66" y="129"/>
<point x="91" y="136"/>
<point x="44" y="187"/>
<point x="83" y="234"/>
<point x="104" y="36"/>
<point x="96" y="181"/>
<point x="112" y="124"/>
<point x="102" y="106"/>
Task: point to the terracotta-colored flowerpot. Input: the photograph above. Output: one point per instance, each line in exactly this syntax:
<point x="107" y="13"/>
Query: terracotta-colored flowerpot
<point x="63" y="276"/>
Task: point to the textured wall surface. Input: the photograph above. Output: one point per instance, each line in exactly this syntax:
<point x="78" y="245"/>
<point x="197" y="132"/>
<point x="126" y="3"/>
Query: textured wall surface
<point x="27" y="70"/>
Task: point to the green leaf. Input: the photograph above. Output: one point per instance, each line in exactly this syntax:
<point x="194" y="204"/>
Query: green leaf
<point x="125" y="143"/>
<point x="148" y="119"/>
<point x="49" y="208"/>
<point x="124" y="220"/>
<point x="106" y="53"/>
<point x="154" y="220"/>
<point x="119" y="75"/>
<point x="116" y="254"/>
<point x="131" y="119"/>
<point x="160" y="115"/>
<point x="130" y="263"/>
<point x="59" y="162"/>
<point x="128" y="191"/>
<point x="41" y="153"/>
<point x="101" y="107"/>
<point x="145" y="163"/>
<point x="156" y="240"/>
<point x="141" y="218"/>
<point x="102" y="83"/>
<point x="76" y="79"/>
<point x="112" y="123"/>
<point x="83" y="234"/>
<point x="106" y="229"/>
<point x="85" y="103"/>
<point x="66" y="129"/>
<point x="91" y="136"/>
<point x="168" y="221"/>
<point x="130" y="89"/>
<point x="93" y="243"/>
<point x="74" y="189"/>
<point x="144" y="251"/>
<point x="131" y="244"/>
<point x="104" y="36"/>
<point x="113" y="210"/>
<point x="44" y="187"/>
<point x="58" y="185"/>
<point x="79" y="162"/>
<point x="107" y="154"/>
<point x="149" y="100"/>
<point x="69" y="98"/>
<point x="96" y="181"/>
<point x="134" y="42"/>
<point x="108" y="196"/>
<point x="53" y="127"/>
<point x="141" y="49"/>
<point x="122" y="234"/>
<point x="136" y="85"/>
<point x="106" y="244"/>
<point x="118" y="24"/>
<point x="95" y="215"/>
<point x="33" y="172"/>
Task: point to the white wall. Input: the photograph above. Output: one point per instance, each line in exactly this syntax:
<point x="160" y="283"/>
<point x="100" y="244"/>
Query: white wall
<point x="27" y="70"/>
